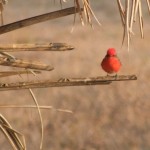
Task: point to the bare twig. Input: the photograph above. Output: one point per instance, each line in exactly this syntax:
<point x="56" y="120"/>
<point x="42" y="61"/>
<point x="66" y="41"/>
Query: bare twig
<point x="24" y="64"/>
<point x="102" y="80"/>
<point x="38" y="19"/>
<point x="35" y="47"/>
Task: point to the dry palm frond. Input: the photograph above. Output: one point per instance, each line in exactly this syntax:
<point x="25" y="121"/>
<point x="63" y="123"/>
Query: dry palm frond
<point x="81" y="5"/>
<point x="129" y="12"/>
<point x="88" y="12"/>
<point x="122" y="12"/>
<point x="15" y="138"/>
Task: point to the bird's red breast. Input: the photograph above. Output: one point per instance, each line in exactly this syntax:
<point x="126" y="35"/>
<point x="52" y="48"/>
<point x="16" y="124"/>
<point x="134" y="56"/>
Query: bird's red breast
<point x="111" y="63"/>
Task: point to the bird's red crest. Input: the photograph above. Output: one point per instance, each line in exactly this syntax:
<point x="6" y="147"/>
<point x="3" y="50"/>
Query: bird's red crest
<point x="111" y="52"/>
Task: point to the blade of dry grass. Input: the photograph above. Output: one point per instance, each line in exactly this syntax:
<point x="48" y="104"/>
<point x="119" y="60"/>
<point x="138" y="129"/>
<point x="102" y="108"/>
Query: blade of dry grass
<point x="10" y="140"/>
<point x="41" y="120"/>
<point x="12" y="135"/>
<point x="16" y="138"/>
<point x="32" y="106"/>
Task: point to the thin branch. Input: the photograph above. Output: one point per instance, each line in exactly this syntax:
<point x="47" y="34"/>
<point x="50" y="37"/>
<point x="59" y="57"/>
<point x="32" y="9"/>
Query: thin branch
<point x="35" y="47"/>
<point x="102" y="80"/>
<point x="38" y="19"/>
<point x="24" y="64"/>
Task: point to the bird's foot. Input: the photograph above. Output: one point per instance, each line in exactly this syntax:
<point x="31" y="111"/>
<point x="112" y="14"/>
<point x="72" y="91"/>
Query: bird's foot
<point x="115" y="76"/>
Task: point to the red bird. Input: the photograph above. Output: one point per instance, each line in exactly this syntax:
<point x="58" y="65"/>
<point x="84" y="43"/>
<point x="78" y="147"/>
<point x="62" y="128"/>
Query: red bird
<point x="111" y="63"/>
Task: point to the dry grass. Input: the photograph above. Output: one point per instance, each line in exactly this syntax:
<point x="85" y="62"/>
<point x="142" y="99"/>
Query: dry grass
<point x="105" y="117"/>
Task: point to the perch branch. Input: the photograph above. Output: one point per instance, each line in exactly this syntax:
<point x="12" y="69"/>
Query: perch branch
<point x="24" y="64"/>
<point x="38" y="19"/>
<point x="35" y="47"/>
<point x="103" y="80"/>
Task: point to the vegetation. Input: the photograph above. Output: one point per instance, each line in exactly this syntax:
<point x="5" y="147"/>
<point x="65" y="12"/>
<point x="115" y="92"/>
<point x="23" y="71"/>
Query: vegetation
<point x="114" y="116"/>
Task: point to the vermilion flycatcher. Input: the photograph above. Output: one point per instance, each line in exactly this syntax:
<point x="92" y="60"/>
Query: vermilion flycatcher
<point x="111" y="63"/>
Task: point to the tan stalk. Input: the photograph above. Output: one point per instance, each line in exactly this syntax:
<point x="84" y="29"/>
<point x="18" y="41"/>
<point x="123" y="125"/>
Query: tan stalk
<point x="136" y="9"/>
<point x="11" y="134"/>
<point x="141" y="19"/>
<point x="121" y="11"/>
<point x="148" y="4"/>
<point x="91" y="11"/>
<point x="132" y="16"/>
<point x="127" y="5"/>
<point x="77" y="4"/>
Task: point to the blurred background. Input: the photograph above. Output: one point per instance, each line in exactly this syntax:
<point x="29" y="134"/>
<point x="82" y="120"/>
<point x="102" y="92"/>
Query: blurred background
<point x="108" y="117"/>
